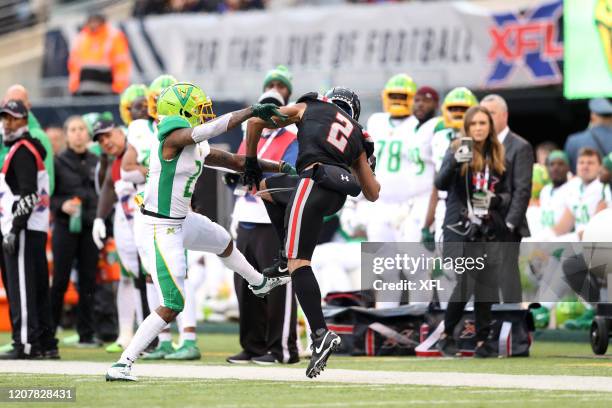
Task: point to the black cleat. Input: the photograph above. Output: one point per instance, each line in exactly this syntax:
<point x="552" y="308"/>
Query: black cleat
<point x="448" y="347"/>
<point x="322" y="346"/>
<point x="52" y="354"/>
<point x="279" y="268"/>
<point x="486" y="350"/>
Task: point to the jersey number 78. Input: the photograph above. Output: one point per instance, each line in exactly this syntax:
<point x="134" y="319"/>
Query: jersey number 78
<point x="339" y="132"/>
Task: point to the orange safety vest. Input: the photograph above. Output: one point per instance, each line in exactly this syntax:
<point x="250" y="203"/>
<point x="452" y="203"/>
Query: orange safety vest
<point x="99" y="61"/>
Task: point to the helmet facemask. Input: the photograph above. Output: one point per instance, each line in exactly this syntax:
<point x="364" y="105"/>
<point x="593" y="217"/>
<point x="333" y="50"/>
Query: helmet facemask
<point x="397" y="102"/>
<point x="454" y="115"/>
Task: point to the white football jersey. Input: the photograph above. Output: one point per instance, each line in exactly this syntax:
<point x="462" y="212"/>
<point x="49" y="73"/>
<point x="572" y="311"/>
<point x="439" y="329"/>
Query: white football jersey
<point x="404" y="166"/>
<point x="552" y="204"/>
<point x="142" y="135"/>
<point x="582" y="200"/>
<point x="170" y="183"/>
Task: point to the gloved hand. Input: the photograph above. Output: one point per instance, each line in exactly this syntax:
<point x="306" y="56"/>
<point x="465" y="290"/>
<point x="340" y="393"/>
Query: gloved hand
<point x="287" y="168"/>
<point x="368" y="144"/>
<point x="10" y="244"/>
<point x="231" y="179"/>
<point x="252" y="172"/>
<point x="98" y="232"/>
<point x="427" y="239"/>
<point x="463" y="154"/>
<point x="266" y="111"/>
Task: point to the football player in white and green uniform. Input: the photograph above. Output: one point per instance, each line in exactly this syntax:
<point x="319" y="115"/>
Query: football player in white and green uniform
<point x="405" y="170"/>
<point x="455" y="104"/>
<point x="585" y="196"/>
<point x="169" y="226"/>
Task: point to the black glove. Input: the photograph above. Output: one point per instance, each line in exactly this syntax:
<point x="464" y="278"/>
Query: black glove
<point x="252" y="172"/>
<point x="368" y="144"/>
<point x="266" y="111"/>
<point x="427" y="239"/>
<point x="231" y="179"/>
<point x="9" y="243"/>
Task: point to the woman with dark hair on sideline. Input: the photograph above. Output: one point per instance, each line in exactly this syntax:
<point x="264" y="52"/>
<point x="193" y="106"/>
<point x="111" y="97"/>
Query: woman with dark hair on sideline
<point x="473" y="174"/>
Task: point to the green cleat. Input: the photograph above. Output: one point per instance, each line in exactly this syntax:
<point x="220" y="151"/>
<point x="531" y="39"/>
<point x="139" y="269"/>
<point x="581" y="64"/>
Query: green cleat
<point x="185" y="352"/>
<point x="6" y="348"/>
<point x="114" y="348"/>
<point x="164" y="348"/>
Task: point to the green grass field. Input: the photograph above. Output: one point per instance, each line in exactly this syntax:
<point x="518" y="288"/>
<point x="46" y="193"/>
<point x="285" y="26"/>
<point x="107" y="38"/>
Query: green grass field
<point x="548" y="358"/>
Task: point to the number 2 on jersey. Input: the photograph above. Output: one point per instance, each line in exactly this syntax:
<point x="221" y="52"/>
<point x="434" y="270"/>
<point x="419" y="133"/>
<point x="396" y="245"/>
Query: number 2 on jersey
<point x="339" y="132"/>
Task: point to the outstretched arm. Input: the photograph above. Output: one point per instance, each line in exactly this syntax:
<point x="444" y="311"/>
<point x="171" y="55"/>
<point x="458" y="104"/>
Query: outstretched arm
<point x="255" y="126"/>
<point x="185" y="137"/>
<point x="221" y="158"/>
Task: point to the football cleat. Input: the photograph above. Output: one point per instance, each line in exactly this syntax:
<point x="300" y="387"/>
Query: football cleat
<point x="322" y="347"/>
<point x="279" y="269"/>
<point x="164" y="348"/>
<point x="186" y="352"/>
<point x="268" y="284"/>
<point x="116" y="347"/>
<point x="120" y="372"/>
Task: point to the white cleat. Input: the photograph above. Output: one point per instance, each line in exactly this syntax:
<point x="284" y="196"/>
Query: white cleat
<point x="268" y="284"/>
<point x="120" y="372"/>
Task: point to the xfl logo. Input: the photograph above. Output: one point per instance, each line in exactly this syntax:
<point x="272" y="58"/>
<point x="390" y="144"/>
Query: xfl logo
<point x="529" y="38"/>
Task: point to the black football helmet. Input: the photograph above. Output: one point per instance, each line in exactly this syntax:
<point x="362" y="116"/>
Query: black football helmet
<point x="346" y="100"/>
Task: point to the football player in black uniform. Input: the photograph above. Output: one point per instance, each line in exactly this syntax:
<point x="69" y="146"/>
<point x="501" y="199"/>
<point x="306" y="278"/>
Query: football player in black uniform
<point x="335" y="159"/>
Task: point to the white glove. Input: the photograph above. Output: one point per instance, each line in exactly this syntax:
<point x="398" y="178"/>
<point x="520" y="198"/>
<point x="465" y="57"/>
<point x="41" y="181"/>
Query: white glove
<point x="98" y="232"/>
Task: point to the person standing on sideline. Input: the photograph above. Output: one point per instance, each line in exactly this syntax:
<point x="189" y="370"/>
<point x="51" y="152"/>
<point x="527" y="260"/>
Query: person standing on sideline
<point x="74" y="208"/>
<point x="597" y="136"/>
<point x="268" y="332"/>
<point x="519" y="169"/>
<point x="24" y="198"/>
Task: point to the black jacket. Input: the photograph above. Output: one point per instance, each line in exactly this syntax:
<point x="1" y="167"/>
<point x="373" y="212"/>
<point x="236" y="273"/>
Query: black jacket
<point x="449" y="179"/>
<point x="22" y="175"/>
<point x="519" y="169"/>
<point x="75" y="177"/>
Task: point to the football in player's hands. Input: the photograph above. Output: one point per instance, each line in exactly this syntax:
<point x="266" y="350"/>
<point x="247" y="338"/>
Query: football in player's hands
<point x="368" y="144"/>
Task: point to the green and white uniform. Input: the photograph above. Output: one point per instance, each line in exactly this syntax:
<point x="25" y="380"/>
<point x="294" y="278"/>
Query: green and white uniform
<point x="168" y="193"/>
<point x="582" y="200"/>
<point x="405" y="171"/>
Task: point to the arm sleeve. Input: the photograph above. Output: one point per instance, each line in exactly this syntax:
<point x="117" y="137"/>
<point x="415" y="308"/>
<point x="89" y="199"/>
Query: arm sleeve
<point x="24" y="167"/>
<point x="447" y="171"/>
<point x="521" y="183"/>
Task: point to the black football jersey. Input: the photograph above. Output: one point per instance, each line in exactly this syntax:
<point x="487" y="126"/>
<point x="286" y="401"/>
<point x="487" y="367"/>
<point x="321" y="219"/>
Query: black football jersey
<point x="327" y="134"/>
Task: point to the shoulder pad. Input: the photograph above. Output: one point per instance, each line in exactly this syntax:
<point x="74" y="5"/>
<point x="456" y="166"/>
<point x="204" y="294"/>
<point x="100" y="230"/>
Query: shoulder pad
<point x="170" y="123"/>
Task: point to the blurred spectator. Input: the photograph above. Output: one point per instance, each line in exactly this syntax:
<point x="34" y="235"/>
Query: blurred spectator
<point x="19" y="93"/>
<point x="74" y="206"/>
<point x="597" y="136"/>
<point x="99" y="60"/>
<point x="145" y="7"/>
<point x="543" y="150"/>
<point x="519" y="173"/>
<point x="57" y="138"/>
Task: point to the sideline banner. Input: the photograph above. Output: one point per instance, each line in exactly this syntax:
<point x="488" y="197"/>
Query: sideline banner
<point x="493" y="44"/>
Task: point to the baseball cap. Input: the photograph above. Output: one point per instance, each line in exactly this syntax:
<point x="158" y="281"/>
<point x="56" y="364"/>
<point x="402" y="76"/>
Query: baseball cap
<point x="101" y="127"/>
<point x="428" y="92"/>
<point x="15" y="108"/>
<point x="600" y="106"/>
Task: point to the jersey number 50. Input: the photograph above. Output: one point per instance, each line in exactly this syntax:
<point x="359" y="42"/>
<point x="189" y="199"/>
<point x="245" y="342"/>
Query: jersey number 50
<point x="339" y="132"/>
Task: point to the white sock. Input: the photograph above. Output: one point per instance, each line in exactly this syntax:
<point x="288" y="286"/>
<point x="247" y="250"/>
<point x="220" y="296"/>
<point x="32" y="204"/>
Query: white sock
<point x="165" y="335"/>
<point x="187" y="336"/>
<point x="238" y="263"/>
<point x="138" y="303"/>
<point x="189" y="312"/>
<point x="125" y="309"/>
<point x="148" y="330"/>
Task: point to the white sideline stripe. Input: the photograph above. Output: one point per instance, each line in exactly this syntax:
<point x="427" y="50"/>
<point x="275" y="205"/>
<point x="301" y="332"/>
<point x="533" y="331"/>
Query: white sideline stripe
<point x="440" y="379"/>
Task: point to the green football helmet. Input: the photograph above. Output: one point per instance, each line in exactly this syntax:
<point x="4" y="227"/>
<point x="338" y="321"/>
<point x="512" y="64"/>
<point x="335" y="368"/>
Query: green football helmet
<point x="187" y="101"/>
<point x="398" y="95"/>
<point x="456" y="103"/>
<point x="155" y="89"/>
<point x="128" y="96"/>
